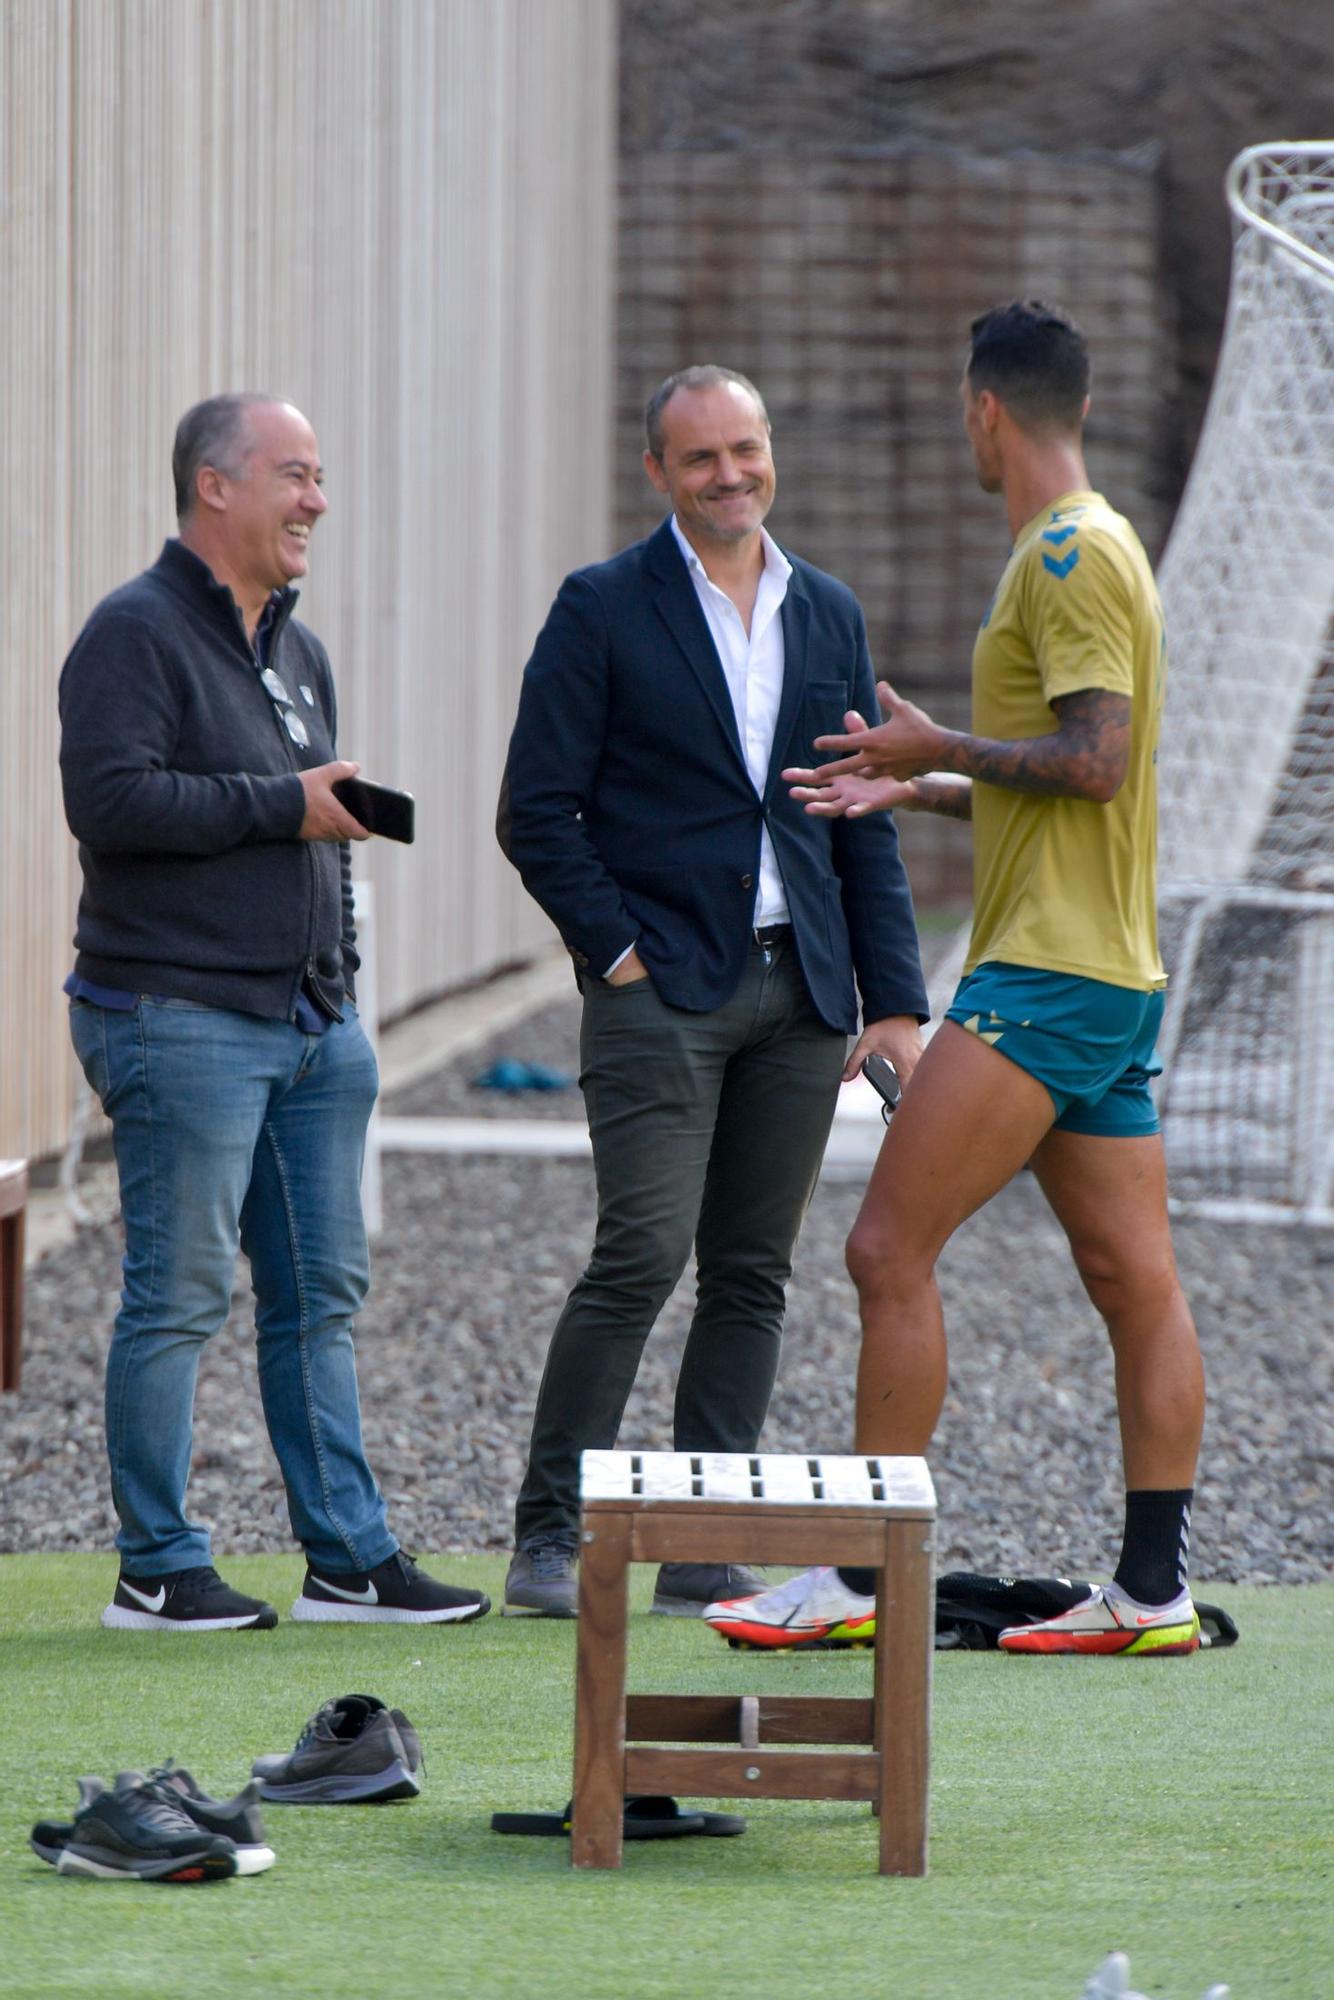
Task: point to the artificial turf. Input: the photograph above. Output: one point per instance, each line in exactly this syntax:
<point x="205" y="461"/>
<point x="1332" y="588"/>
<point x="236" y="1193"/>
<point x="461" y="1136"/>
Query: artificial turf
<point x="1178" y="1810"/>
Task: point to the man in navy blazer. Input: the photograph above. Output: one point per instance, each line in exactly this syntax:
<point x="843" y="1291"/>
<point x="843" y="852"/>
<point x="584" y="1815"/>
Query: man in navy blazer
<point x="720" y="936"/>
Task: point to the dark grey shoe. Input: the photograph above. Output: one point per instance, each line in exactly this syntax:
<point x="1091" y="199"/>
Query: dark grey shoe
<point x="541" y="1582"/>
<point x="139" y="1829"/>
<point x="683" y="1589"/>
<point x="349" y="1753"/>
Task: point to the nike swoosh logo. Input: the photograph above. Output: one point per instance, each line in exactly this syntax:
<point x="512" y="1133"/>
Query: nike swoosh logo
<point x="1146" y="1621"/>
<point x="149" y="1603"/>
<point x="366" y="1596"/>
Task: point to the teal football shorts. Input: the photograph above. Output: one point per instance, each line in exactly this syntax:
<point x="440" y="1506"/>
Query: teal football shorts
<point x="1092" y="1046"/>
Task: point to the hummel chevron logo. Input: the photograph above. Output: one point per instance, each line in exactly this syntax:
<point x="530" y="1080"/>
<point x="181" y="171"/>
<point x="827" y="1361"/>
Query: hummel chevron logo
<point x="1061" y="565"/>
<point x="367" y="1595"/>
<point x="141" y="1597"/>
<point x="974" y="1027"/>
<point x="1058" y="535"/>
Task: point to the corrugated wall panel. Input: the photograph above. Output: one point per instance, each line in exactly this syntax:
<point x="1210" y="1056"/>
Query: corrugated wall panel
<point x="401" y="217"/>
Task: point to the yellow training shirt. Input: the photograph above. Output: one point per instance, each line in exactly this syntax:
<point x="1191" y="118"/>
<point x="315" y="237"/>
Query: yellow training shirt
<point x="1064" y="884"/>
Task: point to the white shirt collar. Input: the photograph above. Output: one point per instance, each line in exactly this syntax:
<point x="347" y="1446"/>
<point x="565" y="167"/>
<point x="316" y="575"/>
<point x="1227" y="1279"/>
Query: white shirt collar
<point x="775" y="562"/>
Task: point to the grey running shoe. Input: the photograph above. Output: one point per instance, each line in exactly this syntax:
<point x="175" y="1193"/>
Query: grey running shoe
<point x="408" y="1737"/>
<point x="541" y="1582"/>
<point x="140" y="1830"/>
<point x="683" y="1589"/>
<point x="238" y="1818"/>
<point x="349" y="1753"/>
<point x="185" y="1600"/>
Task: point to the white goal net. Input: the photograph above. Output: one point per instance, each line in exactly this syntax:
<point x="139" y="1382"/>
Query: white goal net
<point x="1246" y="768"/>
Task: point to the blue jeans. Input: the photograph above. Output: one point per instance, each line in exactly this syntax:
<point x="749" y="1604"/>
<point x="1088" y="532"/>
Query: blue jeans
<point x="232" y="1129"/>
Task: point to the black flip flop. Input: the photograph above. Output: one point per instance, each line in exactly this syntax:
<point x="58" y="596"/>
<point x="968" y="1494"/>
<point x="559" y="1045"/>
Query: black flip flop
<point x="645" y="1819"/>
<point x="1216" y="1628"/>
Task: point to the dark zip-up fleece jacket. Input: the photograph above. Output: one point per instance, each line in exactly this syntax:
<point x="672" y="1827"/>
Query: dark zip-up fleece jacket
<point x="181" y="788"/>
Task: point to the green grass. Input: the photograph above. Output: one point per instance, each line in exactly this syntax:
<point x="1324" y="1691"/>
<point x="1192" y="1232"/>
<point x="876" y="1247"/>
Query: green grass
<point x="1170" y="1809"/>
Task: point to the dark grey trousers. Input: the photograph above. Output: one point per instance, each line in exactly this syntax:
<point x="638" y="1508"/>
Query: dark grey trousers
<point x="707" y="1129"/>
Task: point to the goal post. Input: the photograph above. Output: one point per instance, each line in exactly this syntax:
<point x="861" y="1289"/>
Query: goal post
<point x="1246" y="764"/>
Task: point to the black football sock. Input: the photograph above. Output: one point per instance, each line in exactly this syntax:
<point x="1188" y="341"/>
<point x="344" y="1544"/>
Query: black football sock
<point x="1155" y="1551"/>
<point x="860" y="1580"/>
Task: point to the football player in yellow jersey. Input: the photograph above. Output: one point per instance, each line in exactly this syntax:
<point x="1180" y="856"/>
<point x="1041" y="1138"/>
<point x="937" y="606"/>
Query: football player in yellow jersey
<point x="1047" y="1051"/>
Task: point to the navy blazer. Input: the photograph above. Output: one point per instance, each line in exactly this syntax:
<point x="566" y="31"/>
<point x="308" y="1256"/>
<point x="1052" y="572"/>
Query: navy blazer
<point x="628" y="810"/>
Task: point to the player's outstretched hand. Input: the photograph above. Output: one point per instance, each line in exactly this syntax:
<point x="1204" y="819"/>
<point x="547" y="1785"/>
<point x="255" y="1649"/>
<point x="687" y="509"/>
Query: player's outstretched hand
<point x="903" y="746"/>
<point x="849" y="796"/>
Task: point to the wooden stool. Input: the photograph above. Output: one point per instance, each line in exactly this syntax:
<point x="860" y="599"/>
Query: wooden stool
<point x="876" y="1513"/>
<point x="13" y="1202"/>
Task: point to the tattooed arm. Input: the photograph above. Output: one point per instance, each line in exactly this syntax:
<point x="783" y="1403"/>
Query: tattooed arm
<point x="1084" y="757"/>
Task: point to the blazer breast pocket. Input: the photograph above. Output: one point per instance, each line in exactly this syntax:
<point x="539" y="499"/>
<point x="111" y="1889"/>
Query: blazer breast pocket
<point x="823" y="707"/>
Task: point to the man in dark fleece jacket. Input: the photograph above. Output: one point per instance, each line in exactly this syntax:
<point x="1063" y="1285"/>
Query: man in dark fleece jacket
<point x="211" y="1007"/>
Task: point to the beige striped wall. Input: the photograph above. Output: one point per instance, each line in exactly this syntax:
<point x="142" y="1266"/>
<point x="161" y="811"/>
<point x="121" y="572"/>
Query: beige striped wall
<point x="400" y="214"/>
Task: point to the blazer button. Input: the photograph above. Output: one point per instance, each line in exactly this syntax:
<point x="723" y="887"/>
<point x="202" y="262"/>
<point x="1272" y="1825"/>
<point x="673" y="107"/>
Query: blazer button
<point x="747" y="881"/>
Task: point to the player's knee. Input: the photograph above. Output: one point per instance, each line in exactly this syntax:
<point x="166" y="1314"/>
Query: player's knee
<point x="1122" y="1279"/>
<point x="877" y="1259"/>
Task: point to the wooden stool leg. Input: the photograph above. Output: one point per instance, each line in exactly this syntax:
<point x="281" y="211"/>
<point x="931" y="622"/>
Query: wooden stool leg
<point x="599" y="1711"/>
<point x="905" y="1639"/>
<point x="11" y="1300"/>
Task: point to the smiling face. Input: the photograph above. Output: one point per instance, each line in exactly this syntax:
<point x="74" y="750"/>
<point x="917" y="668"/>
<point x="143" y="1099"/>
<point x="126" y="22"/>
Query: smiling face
<point x="271" y="503"/>
<point x="716" y="465"/>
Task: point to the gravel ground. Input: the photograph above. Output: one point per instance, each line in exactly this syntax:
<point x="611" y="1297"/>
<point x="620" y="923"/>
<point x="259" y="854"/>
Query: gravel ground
<point x="474" y="1263"/>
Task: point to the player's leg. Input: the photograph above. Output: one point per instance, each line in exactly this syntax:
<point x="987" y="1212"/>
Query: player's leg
<point x="968" y="1121"/>
<point x="1110" y="1195"/>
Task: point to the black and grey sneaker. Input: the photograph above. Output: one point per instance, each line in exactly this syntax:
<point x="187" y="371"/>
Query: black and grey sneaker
<point x="395" y="1592"/>
<point x="349" y="1753"/>
<point x="238" y="1818"/>
<point x="683" y="1589"/>
<point x="541" y="1581"/>
<point x="50" y="1837"/>
<point x="185" y="1600"/>
<point x="140" y="1830"/>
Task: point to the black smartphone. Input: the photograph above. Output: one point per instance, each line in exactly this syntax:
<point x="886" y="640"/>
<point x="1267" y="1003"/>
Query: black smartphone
<point x="885" y="1078"/>
<point x="379" y="808"/>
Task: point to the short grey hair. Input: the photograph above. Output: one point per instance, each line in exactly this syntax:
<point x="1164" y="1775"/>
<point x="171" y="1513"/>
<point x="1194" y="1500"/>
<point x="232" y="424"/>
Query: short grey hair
<point x="703" y="375"/>
<point x="214" y="432"/>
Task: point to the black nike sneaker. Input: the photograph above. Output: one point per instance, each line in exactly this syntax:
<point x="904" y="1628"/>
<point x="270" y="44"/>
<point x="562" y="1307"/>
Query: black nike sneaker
<point x="395" y="1592"/>
<point x="140" y="1830"/>
<point x="351" y="1752"/>
<point x="191" y="1600"/>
